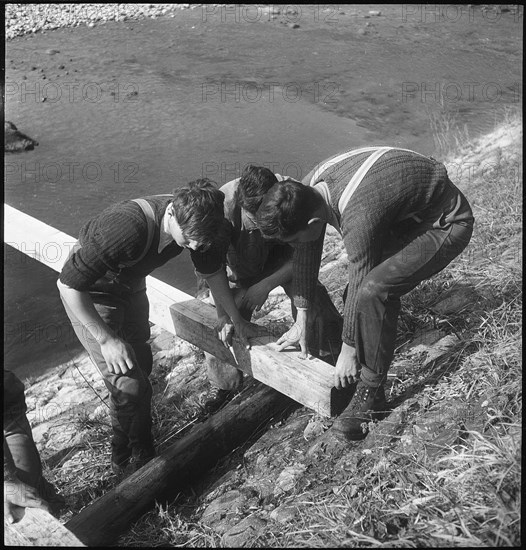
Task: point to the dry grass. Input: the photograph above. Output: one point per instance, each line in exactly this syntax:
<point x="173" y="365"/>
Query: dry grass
<point x="448" y="134"/>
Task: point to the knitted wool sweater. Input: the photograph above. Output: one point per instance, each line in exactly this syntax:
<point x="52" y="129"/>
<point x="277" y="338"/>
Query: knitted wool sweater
<point x="119" y="234"/>
<point x="400" y="185"/>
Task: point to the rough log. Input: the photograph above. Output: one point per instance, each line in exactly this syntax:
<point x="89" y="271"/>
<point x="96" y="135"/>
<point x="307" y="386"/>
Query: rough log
<point x="38" y="528"/>
<point x="103" y="520"/>
<point x="309" y="382"/>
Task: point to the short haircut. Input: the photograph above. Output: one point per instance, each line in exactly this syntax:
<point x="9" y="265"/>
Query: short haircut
<point x="286" y="209"/>
<point x="198" y="209"/>
<point x="255" y="181"/>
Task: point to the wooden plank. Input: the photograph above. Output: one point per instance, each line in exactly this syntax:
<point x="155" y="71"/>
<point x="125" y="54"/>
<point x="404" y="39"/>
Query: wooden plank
<point x="38" y="528"/>
<point x="52" y="247"/>
<point x="36" y="239"/>
<point x="105" y="519"/>
<point x="161" y="296"/>
<point x="309" y="382"/>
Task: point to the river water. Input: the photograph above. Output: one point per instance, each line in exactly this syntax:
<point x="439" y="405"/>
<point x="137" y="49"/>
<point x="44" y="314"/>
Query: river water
<point x="137" y="108"/>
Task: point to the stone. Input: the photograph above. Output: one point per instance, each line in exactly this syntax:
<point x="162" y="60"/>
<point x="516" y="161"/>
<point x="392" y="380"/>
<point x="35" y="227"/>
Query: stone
<point x="283" y="513"/>
<point x="16" y="141"/>
<point x="241" y="535"/>
<point x="314" y="429"/>
<point x="455" y="300"/>
<point x="288" y="477"/>
<point x="224" y="509"/>
<point x="443" y="346"/>
<point x="425" y="338"/>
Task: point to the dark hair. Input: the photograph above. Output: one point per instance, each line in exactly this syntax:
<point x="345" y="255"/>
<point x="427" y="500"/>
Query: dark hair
<point x="198" y="208"/>
<point x="286" y="209"/>
<point x="255" y="181"/>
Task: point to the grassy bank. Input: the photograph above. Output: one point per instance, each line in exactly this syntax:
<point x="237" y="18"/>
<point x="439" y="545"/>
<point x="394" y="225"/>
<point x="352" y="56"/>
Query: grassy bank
<point x="443" y="469"/>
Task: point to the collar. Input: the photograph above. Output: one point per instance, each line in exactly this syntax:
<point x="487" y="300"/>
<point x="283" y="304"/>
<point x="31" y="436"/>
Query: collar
<point x="165" y="237"/>
<point x="323" y="190"/>
<point x="247" y="222"/>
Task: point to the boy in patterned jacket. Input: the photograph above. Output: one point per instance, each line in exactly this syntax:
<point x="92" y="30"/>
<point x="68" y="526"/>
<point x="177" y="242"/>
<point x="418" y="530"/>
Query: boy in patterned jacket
<point x="402" y="220"/>
<point x="256" y="266"/>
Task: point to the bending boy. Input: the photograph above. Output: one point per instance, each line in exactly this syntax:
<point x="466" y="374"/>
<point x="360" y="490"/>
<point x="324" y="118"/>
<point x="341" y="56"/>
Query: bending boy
<point x="257" y="266"/>
<point x="103" y="288"/>
<point x="402" y="220"/>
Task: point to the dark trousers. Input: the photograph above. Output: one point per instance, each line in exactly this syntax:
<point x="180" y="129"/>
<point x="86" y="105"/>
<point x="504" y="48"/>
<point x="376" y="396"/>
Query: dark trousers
<point x="131" y="393"/>
<point x="419" y="256"/>
<point x="20" y="450"/>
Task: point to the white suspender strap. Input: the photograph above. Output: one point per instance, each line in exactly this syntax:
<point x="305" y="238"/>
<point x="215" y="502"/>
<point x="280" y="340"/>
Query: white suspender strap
<point x="146" y="207"/>
<point x="376" y="153"/>
<point x="358" y="177"/>
<point x="335" y="160"/>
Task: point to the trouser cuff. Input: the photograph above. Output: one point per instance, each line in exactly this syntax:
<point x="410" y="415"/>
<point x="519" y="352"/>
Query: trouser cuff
<point x="371" y="378"/>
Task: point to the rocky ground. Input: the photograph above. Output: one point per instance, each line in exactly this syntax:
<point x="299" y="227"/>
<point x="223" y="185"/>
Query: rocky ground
<point x="20" y="20"/>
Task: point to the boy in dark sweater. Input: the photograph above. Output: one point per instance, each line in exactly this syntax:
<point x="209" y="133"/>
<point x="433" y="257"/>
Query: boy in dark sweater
<point x="402" y="220"/>
<point x="103" y="288"/>
<point x="257" y="266"/>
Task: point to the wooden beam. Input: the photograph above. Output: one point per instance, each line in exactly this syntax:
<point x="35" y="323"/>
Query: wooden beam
<point x="309" y="382"/>
<point x="105" y="519"/>
<point x="38" y="528"/>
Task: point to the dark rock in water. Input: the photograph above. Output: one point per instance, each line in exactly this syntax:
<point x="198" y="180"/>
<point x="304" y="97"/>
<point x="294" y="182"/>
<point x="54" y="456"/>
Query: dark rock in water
<point x="15" y="141"/>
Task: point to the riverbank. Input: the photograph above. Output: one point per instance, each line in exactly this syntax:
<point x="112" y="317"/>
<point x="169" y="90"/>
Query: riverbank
<point x="444" y="469"/>
<point x="22" y="19"/>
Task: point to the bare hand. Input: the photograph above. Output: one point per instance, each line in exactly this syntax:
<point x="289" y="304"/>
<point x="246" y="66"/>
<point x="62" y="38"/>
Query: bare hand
<point x="119" y="355"/>
<point x="296" y="336"/>
<point x="225" y="330"/>
<point x="18" y="494"/>
<point x="346" y="369"/>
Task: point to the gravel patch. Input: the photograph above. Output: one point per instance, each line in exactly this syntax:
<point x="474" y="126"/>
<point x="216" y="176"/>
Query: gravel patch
<point x="22" y="19"/>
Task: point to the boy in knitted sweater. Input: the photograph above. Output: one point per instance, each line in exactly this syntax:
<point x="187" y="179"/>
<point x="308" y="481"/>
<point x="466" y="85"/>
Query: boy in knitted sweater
<point x="103" y="288"/>
<point x="402" y="220"/>
<point x="256" y="266"/>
